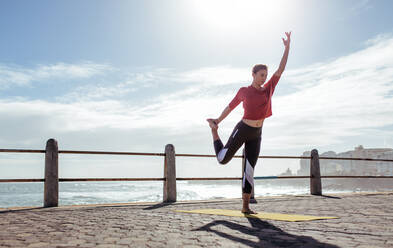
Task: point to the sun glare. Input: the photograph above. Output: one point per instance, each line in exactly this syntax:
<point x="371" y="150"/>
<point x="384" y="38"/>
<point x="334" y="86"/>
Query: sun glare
<point x="232" y="14"/>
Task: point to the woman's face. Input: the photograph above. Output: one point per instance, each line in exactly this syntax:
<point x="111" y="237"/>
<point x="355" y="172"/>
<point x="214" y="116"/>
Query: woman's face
<point x="260" y="77"/>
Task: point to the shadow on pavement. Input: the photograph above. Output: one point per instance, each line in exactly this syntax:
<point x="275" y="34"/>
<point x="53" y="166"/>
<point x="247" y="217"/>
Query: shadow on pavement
<point x="2" y="211"/>
<point x="158" y="205"/>
<point x="329" y="196"/>
<point x="268" y="234"/>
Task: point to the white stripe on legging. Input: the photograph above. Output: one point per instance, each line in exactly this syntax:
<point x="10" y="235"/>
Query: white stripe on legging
<point x="221" y="154"/>
<point x="248" y="174"/>
<point x="233" y="136"/>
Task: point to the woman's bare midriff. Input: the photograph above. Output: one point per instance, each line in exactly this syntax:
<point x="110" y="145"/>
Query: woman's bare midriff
<point x="254" y="123"/>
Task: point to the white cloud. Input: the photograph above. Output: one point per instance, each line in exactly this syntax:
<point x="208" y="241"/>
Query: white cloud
<point x="22" y="76"/>
<point x="83" y="70"/>
<point x="91" y="92"/>
<point x="360" y="7"/>
<point x="376" y="57"/>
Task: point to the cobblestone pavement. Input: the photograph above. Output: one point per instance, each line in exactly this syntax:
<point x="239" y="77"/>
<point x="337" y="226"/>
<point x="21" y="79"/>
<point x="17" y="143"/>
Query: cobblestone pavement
<point x="366" y="220"/>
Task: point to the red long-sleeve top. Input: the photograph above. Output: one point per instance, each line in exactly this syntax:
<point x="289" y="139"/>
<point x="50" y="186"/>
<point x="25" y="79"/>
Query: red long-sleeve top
<point x="256" y="103"/>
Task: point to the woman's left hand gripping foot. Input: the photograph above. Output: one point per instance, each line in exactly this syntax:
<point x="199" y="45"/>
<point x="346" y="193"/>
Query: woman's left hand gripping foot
<point x="213" y="123"/>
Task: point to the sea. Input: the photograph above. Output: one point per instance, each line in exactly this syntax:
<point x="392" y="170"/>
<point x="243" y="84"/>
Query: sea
<point x="78" y="193"/>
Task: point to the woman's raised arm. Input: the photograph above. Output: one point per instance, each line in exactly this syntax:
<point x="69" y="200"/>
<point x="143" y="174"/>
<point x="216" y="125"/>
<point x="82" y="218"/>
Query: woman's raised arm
<point x="284" y="59"/>
<point x="224" y="114"/>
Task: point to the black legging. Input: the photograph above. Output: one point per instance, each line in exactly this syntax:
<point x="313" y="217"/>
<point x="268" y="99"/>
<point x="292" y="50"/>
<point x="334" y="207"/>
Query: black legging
<point x="251" y="136"/>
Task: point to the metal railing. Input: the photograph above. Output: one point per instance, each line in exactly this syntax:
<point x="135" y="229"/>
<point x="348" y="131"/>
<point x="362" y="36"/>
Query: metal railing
<point x="52" y="180"/>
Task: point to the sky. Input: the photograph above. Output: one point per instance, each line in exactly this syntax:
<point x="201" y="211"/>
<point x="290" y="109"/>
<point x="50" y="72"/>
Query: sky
<point x="134" y="76"/>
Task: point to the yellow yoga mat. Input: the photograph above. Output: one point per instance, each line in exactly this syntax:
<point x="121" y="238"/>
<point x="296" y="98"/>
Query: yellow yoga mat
<point x="259" y="215"/>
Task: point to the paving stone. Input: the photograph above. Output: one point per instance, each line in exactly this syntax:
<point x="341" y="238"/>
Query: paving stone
<point x="128" y="241"/>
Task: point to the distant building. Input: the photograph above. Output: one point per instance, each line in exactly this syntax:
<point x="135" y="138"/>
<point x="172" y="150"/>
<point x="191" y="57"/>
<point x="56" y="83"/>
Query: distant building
<point x="351" y="167"/>
<point x="288" y="173"/>
<point x="385" y="168"/>
<point x="304" y="165"/>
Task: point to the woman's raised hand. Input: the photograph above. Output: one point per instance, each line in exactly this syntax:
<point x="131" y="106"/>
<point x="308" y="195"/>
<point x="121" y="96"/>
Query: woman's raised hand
<point x="288" y="40"/>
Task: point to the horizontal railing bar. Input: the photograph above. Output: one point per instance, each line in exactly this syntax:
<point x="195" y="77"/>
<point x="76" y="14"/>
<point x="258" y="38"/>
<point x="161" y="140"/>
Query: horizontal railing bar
<point x="235" y="178"/>
<point x="236" y="156"/>
<point x="22" y="150"/>
<point x="82" y="179"/>
<point x="356" y="176"/>
<point x="181" y="155"/>
<point x="110" y="179"/>
<point x="202" y="155"/>
<point x="367" y="159"/>
<point x="84" y="152"/>
<point x="333" y="158"/>
<point x="290" y="157"/>
<point x="207" y="178"/>
<point x="179" y="178"/>
<point x="112" y="153"/>
<point x="270" y="177"/>
<point x="287" y="157"/>
<point x="21" y="180"/>
<point x="280" y="177"/>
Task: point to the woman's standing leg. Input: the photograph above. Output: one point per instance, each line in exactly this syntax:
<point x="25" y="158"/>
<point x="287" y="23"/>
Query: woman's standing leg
<point x="252" y="149"/>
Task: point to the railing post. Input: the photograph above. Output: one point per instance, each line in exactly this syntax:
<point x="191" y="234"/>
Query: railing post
<point x="252" y="199"/>
<point x="170" y="174"/>
<point x="315" y="174"/>
<point x="51" y="185"/>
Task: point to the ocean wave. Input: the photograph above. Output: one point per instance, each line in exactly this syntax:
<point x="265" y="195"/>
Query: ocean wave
<point x="71" y="193"/>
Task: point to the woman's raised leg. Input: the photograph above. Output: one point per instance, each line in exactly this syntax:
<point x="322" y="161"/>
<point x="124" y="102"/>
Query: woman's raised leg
<point x="225" y="153"/>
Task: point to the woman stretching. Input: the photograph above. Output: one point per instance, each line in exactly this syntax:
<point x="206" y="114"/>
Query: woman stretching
<point x="256" y="100"/>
